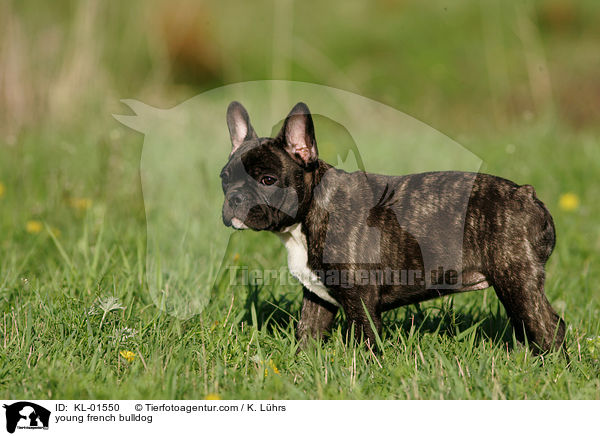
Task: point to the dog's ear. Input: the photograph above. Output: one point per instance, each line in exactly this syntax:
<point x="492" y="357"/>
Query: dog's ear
<point x="238" y="121"/>
<point x="298" y="136"/>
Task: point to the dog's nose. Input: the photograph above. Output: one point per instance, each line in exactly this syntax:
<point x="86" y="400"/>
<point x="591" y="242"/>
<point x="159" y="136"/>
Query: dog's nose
<point x="235" y="199"/>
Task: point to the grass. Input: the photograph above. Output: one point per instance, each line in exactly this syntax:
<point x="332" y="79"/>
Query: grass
<point x="514" y="83"/>
<point x="74" y="296"/>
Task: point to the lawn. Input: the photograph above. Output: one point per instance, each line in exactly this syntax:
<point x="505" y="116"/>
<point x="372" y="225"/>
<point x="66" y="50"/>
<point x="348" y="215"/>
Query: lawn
<point x="79" y="319"/>
<point x="75" y="298"/>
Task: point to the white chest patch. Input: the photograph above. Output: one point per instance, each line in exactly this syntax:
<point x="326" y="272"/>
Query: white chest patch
<point x="295" y="243"/>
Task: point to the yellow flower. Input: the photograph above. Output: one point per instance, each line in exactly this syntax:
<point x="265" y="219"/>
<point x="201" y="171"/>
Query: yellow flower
<point x="568" y="202"/>
<point x="81" y="204"/>
<point x="127" y="355"/>
<point x="236" y="257"/>
<point x="273" y="367"/>
<point x="212" y="397"/>
<point x="2" y="189"/>
<point x="33" y="226"/>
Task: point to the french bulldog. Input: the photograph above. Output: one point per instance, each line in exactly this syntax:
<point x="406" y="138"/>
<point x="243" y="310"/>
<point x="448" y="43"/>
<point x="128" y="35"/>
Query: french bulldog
<point x="369" y="243"/>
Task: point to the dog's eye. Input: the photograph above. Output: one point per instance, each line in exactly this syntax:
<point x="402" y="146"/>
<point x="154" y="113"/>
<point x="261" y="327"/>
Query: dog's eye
<point x="268" y="180"/>
<point x="224" y="177"/>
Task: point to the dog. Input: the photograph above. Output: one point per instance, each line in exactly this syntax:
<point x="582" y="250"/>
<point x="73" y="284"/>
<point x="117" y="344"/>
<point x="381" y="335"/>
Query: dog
<point x="369" y="243"/>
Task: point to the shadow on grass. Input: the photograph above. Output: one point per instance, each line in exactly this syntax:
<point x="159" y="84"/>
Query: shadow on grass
<point x="490" y="324"/>
<point x="282" y="311"/>
<point x="279" y="311"/>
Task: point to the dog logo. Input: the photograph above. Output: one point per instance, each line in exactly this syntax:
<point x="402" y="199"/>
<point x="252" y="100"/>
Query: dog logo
<point x="26" y="415"/>
<point x="189" y="252"/>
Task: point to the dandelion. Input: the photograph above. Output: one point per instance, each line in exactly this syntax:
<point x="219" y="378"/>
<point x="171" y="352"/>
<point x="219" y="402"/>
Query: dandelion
<point x="212" y="397"/>
<point x="108" y="305"/>
<point x="568" y="202"/>
<point x="273" y="367"/>
<point x="236" y="256"/>
<point x="127" y="355"/>
<point x="2" y="189"/>
<point x="33" y="226"/>
<point x="80" y="204"/>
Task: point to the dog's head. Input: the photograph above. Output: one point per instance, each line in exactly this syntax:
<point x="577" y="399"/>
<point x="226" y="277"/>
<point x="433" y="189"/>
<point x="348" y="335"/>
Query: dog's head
<point x="267" y="182"/>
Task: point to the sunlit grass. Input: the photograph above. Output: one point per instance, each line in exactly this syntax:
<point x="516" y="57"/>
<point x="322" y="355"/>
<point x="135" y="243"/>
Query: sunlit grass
<point x="78" y="318"/>
<point x="79" y="304"/>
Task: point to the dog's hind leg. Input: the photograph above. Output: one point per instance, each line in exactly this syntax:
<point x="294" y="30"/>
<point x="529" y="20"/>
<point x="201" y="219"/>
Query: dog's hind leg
<point x="520" y="288"/>
<point x="364" y="315"/>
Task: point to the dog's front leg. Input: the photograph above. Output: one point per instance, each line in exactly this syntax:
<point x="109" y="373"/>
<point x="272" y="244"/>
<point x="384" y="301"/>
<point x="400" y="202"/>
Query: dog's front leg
<point x="316" y="318"/>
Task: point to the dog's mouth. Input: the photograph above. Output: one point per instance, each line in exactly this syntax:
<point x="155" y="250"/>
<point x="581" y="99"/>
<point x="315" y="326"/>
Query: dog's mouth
<point x="257" y="218"/>
<point x="238" y="224"/>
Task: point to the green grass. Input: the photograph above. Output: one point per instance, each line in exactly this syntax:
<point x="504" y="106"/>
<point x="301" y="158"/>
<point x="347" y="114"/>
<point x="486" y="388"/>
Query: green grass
<point x="60" y="337"/>
<point x="513" y="82"/>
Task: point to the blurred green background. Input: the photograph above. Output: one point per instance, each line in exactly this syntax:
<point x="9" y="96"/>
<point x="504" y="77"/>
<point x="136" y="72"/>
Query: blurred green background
<point x="475" y="70"/>
<point x="516" y="82"/>
<point x="459" y="66"/>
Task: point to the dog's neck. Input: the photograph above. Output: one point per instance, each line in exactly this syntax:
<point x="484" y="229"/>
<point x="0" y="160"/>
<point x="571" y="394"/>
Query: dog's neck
<point x="296" y="237"/>
<point x="312" y="179"/>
